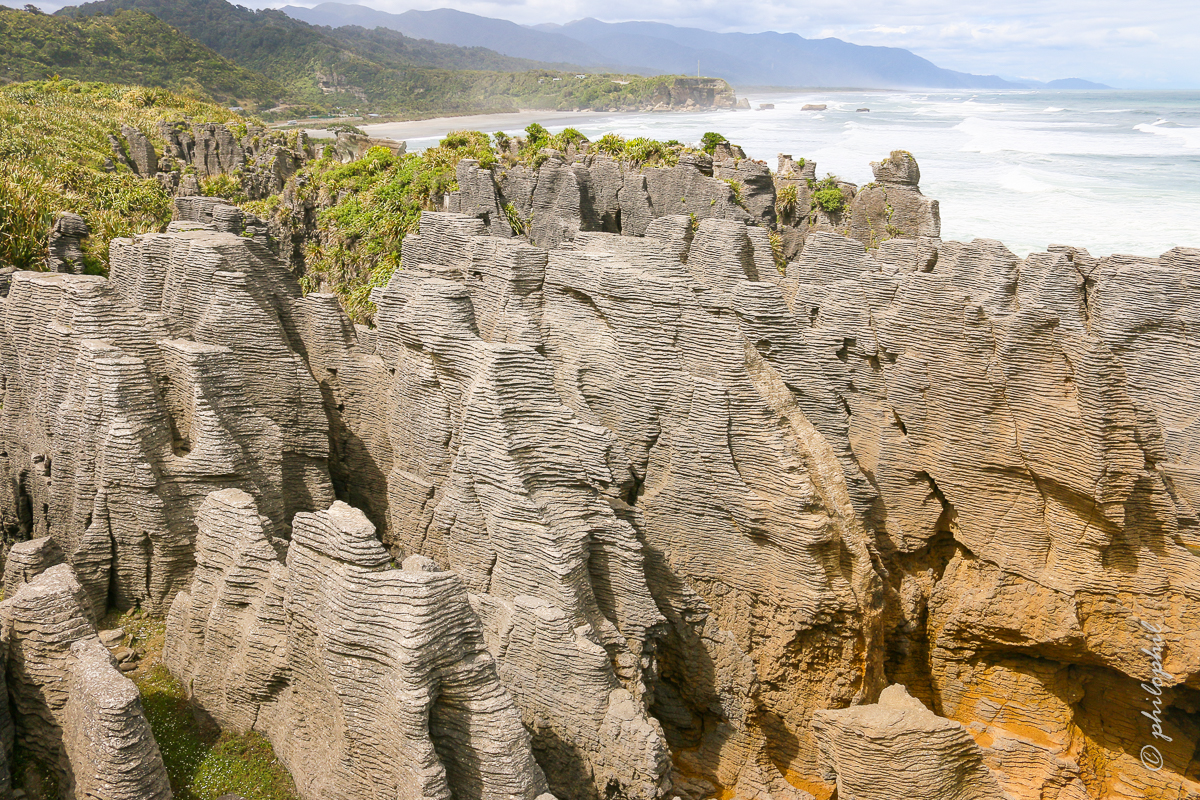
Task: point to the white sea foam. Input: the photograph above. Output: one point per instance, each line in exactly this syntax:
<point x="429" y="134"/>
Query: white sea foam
<point x="1188" y="137"/>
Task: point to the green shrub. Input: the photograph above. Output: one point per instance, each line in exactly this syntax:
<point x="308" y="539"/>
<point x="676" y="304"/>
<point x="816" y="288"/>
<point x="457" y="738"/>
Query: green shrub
<point x="226" y="186"/>
<point x="26" y="214"/>
<point x="537" y="136"/>
<point x="830" y="200"/>
<point x="710" y="140"/>
<point x="611" y="143"/>
<point x="776" y="239"/>
<point x="569" y="136"/>
<point x="827" y="195"/>
<point x="345" y="127"/>
<point x="519" y="226"/>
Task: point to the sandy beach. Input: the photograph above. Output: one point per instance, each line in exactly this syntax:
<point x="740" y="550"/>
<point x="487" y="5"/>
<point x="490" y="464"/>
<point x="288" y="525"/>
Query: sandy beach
<point x="415" y="131"/>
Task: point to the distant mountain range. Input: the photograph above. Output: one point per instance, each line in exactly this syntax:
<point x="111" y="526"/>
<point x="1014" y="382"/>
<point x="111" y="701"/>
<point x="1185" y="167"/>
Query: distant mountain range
<point x="747" y="59"/>
<point x="284" y="68"/>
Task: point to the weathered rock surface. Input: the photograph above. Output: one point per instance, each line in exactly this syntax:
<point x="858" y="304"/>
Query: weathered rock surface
<point x="64" y="252"/>
<point x="899" y="748"/>
<point x="567" y="194"/>
<point x="75" y="712"/>
<point x="891" y="207"/>
<point x="673" y="511"/>
<point x="262" y="159"/>
<point x="370" y="681"/>
<point x="127" y="401"/>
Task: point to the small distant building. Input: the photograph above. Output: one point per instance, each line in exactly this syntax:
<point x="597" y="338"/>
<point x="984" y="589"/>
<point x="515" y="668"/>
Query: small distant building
<point x="558" y="79"/>
<point x="581" y="76"/>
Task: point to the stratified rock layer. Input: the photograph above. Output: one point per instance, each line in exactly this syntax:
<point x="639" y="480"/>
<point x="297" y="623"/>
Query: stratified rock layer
<point x="371" y="681"/>
<point x="127" y="401"/>
<point x="75" y="713"/>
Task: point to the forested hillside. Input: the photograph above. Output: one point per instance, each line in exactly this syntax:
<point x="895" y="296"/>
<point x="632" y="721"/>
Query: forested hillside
<point x="125" y="47"/>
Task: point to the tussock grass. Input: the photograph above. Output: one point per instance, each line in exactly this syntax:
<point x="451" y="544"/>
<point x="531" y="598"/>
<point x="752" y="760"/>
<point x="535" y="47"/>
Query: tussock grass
<point x="53" y="148"/>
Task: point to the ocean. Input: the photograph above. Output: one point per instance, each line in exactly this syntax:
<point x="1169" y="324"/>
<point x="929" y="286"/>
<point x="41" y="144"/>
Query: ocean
<point x="1110" y="171"/>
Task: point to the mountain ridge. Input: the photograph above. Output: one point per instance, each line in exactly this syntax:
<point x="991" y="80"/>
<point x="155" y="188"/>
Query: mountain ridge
<point x="762" y="59"/>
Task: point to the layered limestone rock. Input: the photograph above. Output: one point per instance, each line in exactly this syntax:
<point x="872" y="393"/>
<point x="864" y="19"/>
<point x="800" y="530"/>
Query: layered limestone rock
<point x="64" y="250"/>
<point x="899" y="748"/>
<point x="76" y="713"/>
<point x="370" y="681"/>
<point x="127" y="401"/>
<point x="261" y="159"/>
<point x="1030" y="519"/>
<point x="520" y="441"/>
<point x="853" y="405"/>
<point x="890" y="207"/>
<point x="590" y="191"/>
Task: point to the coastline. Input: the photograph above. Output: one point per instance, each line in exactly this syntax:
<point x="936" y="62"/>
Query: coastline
<point x="513" y="122"/>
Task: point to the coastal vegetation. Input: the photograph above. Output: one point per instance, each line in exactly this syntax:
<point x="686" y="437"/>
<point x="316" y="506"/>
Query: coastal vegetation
<point x="827" y="195"/>
<point x="367" y="207"/>
<point x="55" y="155"/>
<point x="787" y="198"/>
<point x="710" y="140"/>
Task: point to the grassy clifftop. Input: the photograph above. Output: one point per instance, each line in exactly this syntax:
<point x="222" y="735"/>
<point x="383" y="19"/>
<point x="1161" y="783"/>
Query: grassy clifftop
<point x="53" y="149"/>
<point x="129" y="47"/>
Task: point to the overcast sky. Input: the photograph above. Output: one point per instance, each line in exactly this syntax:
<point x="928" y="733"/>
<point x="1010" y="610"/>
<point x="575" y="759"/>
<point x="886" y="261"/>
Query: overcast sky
<point x="1140" y="44"/>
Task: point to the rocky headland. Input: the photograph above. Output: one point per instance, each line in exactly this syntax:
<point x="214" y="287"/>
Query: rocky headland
<point x="643" y="478"/>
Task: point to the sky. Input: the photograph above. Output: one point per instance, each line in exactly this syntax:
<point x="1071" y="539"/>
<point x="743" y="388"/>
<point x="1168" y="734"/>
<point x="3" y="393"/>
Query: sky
<point x="1146" y="44"/>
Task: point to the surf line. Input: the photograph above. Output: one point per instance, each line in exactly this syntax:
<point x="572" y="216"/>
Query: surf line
<point x="1151" y="757"/>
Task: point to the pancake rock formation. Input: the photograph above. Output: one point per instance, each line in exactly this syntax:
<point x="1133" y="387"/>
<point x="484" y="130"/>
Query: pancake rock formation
<point x="615" y="504"/>
<point x="72" y="709"/>
<point x="371" y="681"/>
